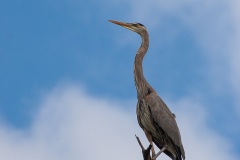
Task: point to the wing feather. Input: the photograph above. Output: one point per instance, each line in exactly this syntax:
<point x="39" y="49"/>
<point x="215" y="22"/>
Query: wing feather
<point x="164" y="117"/>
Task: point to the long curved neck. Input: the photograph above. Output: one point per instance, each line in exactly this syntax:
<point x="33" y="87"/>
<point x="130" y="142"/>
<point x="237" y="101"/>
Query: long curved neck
<point x="142" y="85"/>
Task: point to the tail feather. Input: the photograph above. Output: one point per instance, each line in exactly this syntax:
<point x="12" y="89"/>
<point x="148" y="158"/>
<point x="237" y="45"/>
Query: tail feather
<point x="180" y="155"/>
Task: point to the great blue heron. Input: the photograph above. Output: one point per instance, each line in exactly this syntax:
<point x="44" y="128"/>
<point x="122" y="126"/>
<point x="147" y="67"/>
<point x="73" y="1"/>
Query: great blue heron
<point x="154" y="117"/>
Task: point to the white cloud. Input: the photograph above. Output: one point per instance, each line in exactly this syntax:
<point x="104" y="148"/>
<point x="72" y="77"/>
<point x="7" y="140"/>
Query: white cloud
<point x="201" y="141"/>
<point x="72" y="125"/>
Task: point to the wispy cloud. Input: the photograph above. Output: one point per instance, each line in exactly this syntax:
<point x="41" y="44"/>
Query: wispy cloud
<point x="233" y="51"/>
<point x="74" y="125"/>
<point x="215" y="27"/>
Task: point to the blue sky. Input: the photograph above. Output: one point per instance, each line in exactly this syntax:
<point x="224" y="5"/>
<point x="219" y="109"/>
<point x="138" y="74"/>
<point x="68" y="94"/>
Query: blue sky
<point x="52" y="49"/>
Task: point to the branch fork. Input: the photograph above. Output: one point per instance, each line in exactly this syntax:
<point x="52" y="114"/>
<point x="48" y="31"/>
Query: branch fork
<point x="146" y="152"/>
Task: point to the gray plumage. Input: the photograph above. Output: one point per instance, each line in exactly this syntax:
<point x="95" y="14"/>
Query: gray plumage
<point x="153" y="115"/>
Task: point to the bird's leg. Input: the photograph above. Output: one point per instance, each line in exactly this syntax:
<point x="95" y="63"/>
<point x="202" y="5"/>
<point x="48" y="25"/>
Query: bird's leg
<point x="163" y="149"/>
<point x="149" y="137"/>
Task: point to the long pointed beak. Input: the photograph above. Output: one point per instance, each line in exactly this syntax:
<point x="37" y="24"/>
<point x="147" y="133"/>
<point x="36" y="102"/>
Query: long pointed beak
<point x="125" y="25"/>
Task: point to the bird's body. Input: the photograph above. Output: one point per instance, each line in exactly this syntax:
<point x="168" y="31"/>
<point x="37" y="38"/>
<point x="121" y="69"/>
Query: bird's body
<point x="162" y="126"/>
<point x="153" y="115"/>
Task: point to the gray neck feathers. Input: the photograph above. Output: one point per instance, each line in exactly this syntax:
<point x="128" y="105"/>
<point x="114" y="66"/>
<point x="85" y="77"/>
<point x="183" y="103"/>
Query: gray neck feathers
<point x="142" y="85"/>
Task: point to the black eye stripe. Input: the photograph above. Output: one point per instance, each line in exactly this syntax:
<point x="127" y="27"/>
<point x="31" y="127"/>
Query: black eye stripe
<point x="137" y="24"/>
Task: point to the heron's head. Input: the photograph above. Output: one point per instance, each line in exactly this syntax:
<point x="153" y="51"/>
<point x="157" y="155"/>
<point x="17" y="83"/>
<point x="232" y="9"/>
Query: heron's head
<point x="136" y="27"/>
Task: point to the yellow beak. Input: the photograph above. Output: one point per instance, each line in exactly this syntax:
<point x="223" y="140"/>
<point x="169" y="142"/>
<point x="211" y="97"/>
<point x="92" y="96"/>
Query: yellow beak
<point x="125" y="25"/>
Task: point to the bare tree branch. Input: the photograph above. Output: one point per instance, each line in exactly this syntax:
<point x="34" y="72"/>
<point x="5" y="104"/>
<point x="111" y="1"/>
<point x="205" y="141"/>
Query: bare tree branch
<point x="145" y="152"/>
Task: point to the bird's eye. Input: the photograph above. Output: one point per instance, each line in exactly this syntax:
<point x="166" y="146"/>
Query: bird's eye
<point x="135" y="24"/>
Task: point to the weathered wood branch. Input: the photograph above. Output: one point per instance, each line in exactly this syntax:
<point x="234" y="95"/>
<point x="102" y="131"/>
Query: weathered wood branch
<point x="145" y="152"/>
